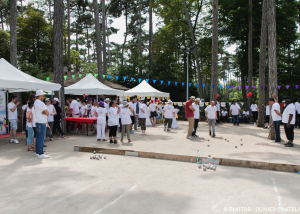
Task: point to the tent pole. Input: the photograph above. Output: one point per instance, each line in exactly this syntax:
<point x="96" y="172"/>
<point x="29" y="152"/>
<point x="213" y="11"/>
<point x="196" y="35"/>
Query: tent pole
<point x="97" y="98"/>
<point x="7" y="130"/>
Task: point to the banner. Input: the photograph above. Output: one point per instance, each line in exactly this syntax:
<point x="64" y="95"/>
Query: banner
<point x="201" y="104"/>
<point x="2" y="113"/>
<point x="179" y="103"/>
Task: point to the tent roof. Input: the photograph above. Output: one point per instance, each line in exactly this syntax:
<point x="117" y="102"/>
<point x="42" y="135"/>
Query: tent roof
<point x="145" y="89"/>
<point x="12" y="80"/>
<point x="90" y="85"/>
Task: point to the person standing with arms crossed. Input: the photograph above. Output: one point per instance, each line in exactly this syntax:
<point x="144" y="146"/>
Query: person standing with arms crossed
<point x="211" y="116"/>
<point x="189" y="114"/>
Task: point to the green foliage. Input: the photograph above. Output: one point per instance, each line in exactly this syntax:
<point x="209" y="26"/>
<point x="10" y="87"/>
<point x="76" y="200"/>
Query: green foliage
<point x="4" y="44"/>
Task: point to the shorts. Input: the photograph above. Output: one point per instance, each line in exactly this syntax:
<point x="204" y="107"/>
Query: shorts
<point x="13" y="124"/>
<point x="132" y="119"/>
<point x="267" y="118"/>
<point x="106" y="118"/>
<point x="153" y="114"/>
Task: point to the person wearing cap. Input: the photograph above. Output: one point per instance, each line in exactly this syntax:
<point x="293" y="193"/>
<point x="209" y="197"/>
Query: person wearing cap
<point x="126" y="111"/>
<point x="235" y="112"/>
<point x="254" y="110"/>
<point x="153" y="113"/>
<point x="57" y="117"/>
<point x="289" y="119"/>
<point x="277" y="117"/>
<point x="169" y="114"/>
<point x="143" y="116"/>
<point x="29" y="126"/>
<point x="41" y="113"/>
<point x="113" y="121"/>
<point x="196" y="116"/>
<point x="52" y="112"/>
<point x="13" y="118"/>
<point x="101" y="114"/>
<point x="211" y="115"/>
<point x="189" y="114"/>
<point x="297" y="107"/>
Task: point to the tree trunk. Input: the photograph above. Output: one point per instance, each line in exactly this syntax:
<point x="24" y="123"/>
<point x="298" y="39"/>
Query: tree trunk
<point x="243" y="86"/>
<point x="214" y="65"/>
<point x="69" y="38"/>
<point x="108" y="47"/>
<point x="262" y="64"/>
<point x="150" y="33"/>
<point x="104" y="35"/>
<point x="272" y="57"/>
<point x="195" y="48"/>
<point x="123" y="47"/>
<point x="98" y="40"/>
<point x="58" y="63"/>
<point x="13" y="33"/>
<point x="140" y="39"/>
<point x="250" y="62"/>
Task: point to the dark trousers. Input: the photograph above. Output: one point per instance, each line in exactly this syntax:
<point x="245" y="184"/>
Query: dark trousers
<point x="246" y="119"/>
<point x="56" y="125"/>
<point x="235" y="119"/>
<point x="297" y="117"/>
<point x="289" y="132"/>
<point x="113" y="131"/>
<point x="254" y="114"/>
<point x="120" y="122"/>
<point x="195" y="127"/>
<point x="218" y="115"/>
<point x="277" y="130"/>
<point x="168" y="121"/>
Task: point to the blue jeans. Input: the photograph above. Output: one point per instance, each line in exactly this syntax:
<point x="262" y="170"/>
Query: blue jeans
<point x="277" y="130"/>
<point x="246" y="119"/>
<point x="40" y="137"/>
<point x="30" y="135"/>
<point x="235" y="119"/>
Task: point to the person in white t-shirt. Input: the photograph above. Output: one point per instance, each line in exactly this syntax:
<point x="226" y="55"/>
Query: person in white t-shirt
<point x="41" y="113"/>
<point x="224" y="115"/>
<point x="13" y="118"/>
<point x="246" y="115"/>
<point x="196" y="116"/>
<point x="235" y="112"/>
<point x="211" y="115"/>
<point x="29" y="126"/>
<point x="83" y="113"/>
<point x="24" y="107"/>
<point x="74" y="107"/>
<point x="267" y="118"/>
<point x="52" y="112"/>
<point x="218" y="105"/>
<point x="169" y="114"/>
<point x="276" y="116"/>
<point x="143" y="116"/>
<point x="153" y="113"/>
<point x="289" y="119"/>
<point x="254" y="110"/>
<point x="101" y="114"/>
<point x="126" y="111"/>
<point x="93" y="114"/>
<point x="297" y="107"/>
<point x="113" y="121"/>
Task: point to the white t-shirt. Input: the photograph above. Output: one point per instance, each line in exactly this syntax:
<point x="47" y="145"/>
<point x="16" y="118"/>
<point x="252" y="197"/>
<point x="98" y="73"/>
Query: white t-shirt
<point x="224" y="113"/>
<point x="268" y="110"/>
<point x="93" y="110"/>
<point x="79" y="104"/>
<point x="246" y="113"/>
<point x="89" y="106"/>
<point x="160" y="107"/>
<point x="253" y="107"/>
<point x="218" y="106"/>
<point x="74" y="106"/>
<point x="126" y="113"/>
<point x="133" y="106"/>
<point x="39" y="107"/>
<point x="106" y="105"/>
<point x="152" y="106"/>
<point x="290" y="109"/>
<point x="211" y="112"/>
<point x="50" y="109"/>
<point x="144" y="108"/>
<point x="24" y="107"/>
<point x="196" y="112"/>
<point x="83" y="108"/>
<point x="31" y="123"/>
<point x="113" y="117"/>
<point x="12" y="115"/>
<point x="101" y="119"/>
<point x="275" y="116"/>
<point x="235" y="109"/>
<point x="297" y="107"/>
<point x="169" y="109"/>
<point x="121" y="106"/>
<point x="33" y="114"/>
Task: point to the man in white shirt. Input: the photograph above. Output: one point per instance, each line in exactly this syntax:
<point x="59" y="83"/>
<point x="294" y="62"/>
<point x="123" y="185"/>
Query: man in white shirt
<point x="13" y="118"/>
<point x="254" y="110"/>
<point x="211" y="115"/>
<point x="246" y="115"/>
<point x="218" y="105"/>
<point x="289" y="119"/>
<point x="74" y="109"/>
<point x="224" y="115"/>
<point x="196" y="116"/>
<point x="297" y="106"/>
<point x="235" y="112"/>
<point x="143" y="116"/>
<point x="41" y="113"/>
<point x="169" y="114"/>
<point x="276" y="116"/>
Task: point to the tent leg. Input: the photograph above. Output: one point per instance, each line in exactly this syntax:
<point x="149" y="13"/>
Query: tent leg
<point x="7" y="126"/>
<point x="97" y="98"/>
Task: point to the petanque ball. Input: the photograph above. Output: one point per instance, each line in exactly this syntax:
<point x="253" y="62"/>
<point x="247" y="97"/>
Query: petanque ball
<point x="235" y="146"/>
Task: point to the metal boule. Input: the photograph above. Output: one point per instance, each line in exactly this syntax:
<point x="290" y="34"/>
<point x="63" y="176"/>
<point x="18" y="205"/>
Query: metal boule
<point x="227" y="140"/>
<point x="91" y="157"/>
<point x="94" y="152"/>
<point x="241" y="144"/>
<point x="100" y="156"/>
<point x="241" y="139"/>
<point x="208" y="145"/>
<point x="199" y="166"/>
<point x="104" y="157"/>
<point x="204" y="169"/>
<point x="235" y="146"/>
<point x="209" y="155"/>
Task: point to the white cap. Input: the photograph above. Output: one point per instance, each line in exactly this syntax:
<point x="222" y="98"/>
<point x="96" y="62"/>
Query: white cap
<point x="39" y="93"/>
<point x="107" y="99"/>
<point x="55" y="99"/>
<point x="169" y="101"/>
<point x="47" y="99"/>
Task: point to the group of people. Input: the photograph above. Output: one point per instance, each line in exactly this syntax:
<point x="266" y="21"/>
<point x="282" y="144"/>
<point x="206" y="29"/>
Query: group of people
<point x="42" y="120"/>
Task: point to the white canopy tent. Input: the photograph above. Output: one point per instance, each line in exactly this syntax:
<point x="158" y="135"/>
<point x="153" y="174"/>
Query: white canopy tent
<point x="14" y="80"/>
<point x="89" y="85"/>
<point x="144" y="89"/>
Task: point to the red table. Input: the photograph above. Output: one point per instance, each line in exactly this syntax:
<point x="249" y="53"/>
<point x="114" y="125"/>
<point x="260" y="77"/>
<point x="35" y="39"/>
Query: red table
<point x="85" y="120"/>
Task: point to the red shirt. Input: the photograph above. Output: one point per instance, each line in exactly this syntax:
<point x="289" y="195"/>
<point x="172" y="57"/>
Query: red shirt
<point x="188" y="111"/>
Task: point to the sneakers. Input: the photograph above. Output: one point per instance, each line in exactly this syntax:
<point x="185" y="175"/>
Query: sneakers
<point x="115" y="142"/>
<point x="168" y="130"/>
<point x="43" y="156"/>
<point x="37" y="155"/>
<point x="51" y="139"/>
<point x="190" y="137"/>
<point x="289" y="144"/>
<point x="16" y="141"/>
<point x="210" y="133"/>
<point x="131" y="132"/>
<point x="214" y="135"/>
<point x="111" y="141"/>
<point x="11" y="140"/>
<point x="45" y="145"/>
<point x="62" y="137"/>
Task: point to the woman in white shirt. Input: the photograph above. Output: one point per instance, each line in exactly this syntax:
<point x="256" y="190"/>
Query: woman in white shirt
<point x="246" y="115"/>
<point x="254" y="110"/>
<point x="101" y="114"/>
<point x="113" y="121"/>
<point x="93" y="110"/>
<point x="52" y="112"/>
<point x="143" y="116"/>
<point x="29" y="126"/>
<point x="153" y="112"/>
<point x="83" y="112"/>
<point x="126" y="120"/>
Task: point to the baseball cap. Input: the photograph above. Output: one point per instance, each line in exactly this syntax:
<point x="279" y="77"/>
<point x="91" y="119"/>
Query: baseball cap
<point x="125" y="103"/>
<point x="39" y="93"/>
<point x="55" y="99"/>
<point x="192" y="97"/>
<point x="169" y="101"/>
<point x="107" y="99"/>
